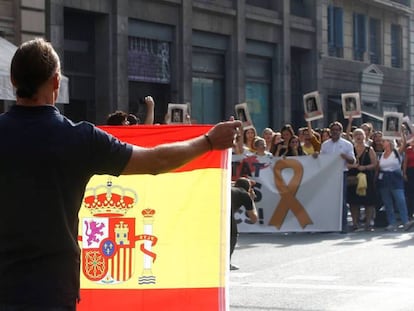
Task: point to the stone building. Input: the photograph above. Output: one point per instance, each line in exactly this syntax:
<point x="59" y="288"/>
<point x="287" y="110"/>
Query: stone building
<point x="213" y="54"/>
<point x="366" y="48"/>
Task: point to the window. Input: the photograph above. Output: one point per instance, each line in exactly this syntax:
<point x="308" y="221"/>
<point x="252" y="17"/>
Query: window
<point x="396" y="46"/>
<point x="374" y="41"/>
<point x="266" y="4"/>
<point x="335" y="31"/>
<point x="258" y="87"/>
<point x="207" y="86"/>
<point x="403" y="2"/>
<point x="299" y="8"/>
<point x="148" y="60"/>
<point x="359" y="36"/>
<point x="207" y="100"/>
<point x="257" y="98"/>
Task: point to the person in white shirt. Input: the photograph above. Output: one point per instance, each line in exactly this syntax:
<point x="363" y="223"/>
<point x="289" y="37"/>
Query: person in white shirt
<point x="337" y="145"/>
<point x="390" y="183"/>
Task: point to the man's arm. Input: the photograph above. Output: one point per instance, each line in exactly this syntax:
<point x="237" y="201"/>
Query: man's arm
<point x="252" y="214"/>
<point x="403" y="143"/>
<point x="166" y="157"/>
<point x="252" y="211"/>
<point x="349" y="155"/>
<point x="349" y="128"/>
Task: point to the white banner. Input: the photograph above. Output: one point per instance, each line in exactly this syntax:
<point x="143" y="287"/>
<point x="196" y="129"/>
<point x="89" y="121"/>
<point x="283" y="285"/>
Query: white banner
<point x="294" y="194"/>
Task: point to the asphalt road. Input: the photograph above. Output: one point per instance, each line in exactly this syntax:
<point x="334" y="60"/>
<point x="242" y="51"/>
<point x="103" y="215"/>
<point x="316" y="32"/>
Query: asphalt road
<point x="360" y="271"/>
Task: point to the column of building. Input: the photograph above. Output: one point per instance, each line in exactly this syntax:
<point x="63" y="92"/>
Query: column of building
<point x="185" y="73"/>
<point x="286" y="59"/>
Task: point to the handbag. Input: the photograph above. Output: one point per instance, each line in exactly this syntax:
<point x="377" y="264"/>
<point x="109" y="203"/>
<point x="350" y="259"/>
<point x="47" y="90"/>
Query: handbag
<point x="361" y="188"/>
<point x="351" y="180"/>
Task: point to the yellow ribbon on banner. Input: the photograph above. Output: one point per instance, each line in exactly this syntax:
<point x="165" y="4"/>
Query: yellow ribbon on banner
<point x="287" y="194"/>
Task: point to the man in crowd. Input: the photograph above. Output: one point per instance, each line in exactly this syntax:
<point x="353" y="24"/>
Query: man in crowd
<point x="242" y="194"/>
<point x="342" y="147"/>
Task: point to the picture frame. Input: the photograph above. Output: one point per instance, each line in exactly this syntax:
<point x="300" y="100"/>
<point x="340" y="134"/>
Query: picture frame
<point x="242" y="114"/>
<point x="351" y="105"/>
<point x="391" y="126"/>
<point x="409" y="128"/>
<point x="176" y="113"/>
<point x="312" y="106"/>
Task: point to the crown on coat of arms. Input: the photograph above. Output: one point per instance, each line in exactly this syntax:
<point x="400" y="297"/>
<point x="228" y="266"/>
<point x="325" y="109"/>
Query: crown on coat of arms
<point x="148" y="212"/>
<point x="109" y="200"/>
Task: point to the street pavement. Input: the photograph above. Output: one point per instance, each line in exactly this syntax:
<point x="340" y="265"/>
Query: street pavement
<point x="359" y="271"/>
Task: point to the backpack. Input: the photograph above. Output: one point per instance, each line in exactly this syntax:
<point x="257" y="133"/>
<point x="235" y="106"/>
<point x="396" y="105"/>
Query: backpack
<point x="397" y="155"/>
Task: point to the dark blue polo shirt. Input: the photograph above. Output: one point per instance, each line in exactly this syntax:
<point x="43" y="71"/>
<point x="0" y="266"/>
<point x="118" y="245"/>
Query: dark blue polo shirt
<point x="46" y="161"/>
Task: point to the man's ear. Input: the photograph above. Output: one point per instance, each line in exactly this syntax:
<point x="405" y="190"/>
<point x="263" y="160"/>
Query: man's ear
<point x="56" y="80"/>
<point x="12" y="81"/>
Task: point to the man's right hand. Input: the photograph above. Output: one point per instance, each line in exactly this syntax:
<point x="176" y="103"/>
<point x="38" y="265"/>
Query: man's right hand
<point x="223" y="134"/>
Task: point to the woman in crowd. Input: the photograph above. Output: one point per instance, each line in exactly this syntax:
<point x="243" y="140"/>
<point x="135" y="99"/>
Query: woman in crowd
<point x="366" y="162"/>
<point x="294" y="147"/>
<point x="367" y="127"/>
<point x="267" y="135"/>
<point x="301" y="135"/>
<point x="248" y="138"/>
<point x="312" y="140"/>
<point x="287" y="132"/>
<point x="390" y="183"/>
<point x="377" y="143"/>
<point x="260" y="148"/>
<point x="325" y="134"/>
<point x="408" y="172"/>
<point x="378" y="149"/>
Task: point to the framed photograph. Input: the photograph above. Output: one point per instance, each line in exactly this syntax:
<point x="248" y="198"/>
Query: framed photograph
<point x="391" y="127"/>
<point x="242" y="114"/>
<point x="312" y="106"/>
<point x="351" y="105"/>
<point x="177" y="113"/>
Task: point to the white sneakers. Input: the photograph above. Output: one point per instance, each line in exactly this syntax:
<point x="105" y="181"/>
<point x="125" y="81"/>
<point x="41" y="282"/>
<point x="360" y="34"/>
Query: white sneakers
<point x="391" y="228"/>
<point x="407" y="226"/>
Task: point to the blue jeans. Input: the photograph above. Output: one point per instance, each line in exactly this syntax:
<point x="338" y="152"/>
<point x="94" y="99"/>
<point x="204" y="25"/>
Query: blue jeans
<point x="389" y="198"/>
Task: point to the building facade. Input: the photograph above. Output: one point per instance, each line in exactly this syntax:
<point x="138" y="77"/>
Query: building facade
<point x="366" y="48"/>
<point x="213" y="54"/>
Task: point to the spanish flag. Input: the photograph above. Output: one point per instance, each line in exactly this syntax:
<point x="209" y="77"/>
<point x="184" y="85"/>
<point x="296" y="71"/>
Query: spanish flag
<point x="157" y="242"/>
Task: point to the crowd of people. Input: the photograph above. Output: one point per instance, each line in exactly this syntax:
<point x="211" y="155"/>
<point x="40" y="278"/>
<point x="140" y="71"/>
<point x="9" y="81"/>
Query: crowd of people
<point x="378" y="172"/>
<point x="120" y="117"/>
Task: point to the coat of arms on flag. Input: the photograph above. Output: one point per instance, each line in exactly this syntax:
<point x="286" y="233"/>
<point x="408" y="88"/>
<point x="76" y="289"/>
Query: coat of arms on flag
<point x="108" y="237"/>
